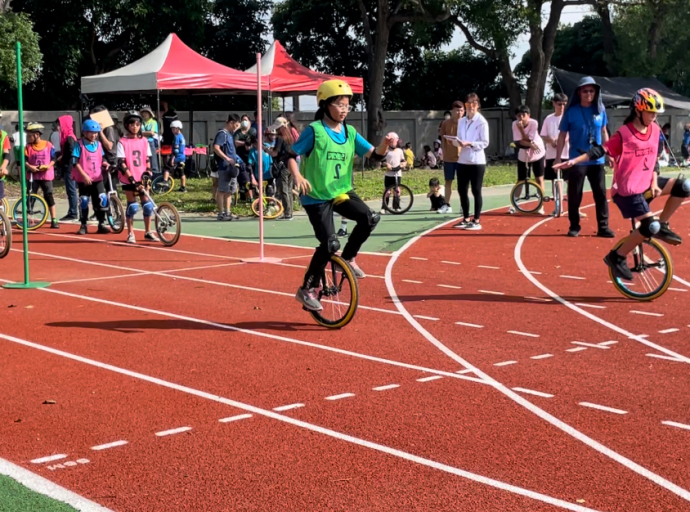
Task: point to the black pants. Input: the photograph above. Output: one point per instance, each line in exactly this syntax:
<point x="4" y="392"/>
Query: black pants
<point x="471" y="175"/>
<point x="389" y="181"/>
<point x="597" y="180"/>
<point x="47" y="187"/>
<point x="93" y="191"/>
<point x="285" y="185"/>
<point x="321" y="218"/>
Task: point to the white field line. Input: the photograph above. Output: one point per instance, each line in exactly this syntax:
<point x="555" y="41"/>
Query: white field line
<point x="173" y="431"/>
<point x="505" y="363"/>
<point x="602" y="408"/>
<point x="235" y="418"/>
<point x="520" y="333"/>
<point x="489" y="267"/>
<point x="590" y="345"/>
<point x="591" y="306"/>
<point x="386" y="387"/>
<point x="667" y="358"/>
<point x="577" y="349"/>
<point x="340" y="396"/>
<point x="573" y="277"/>
<point x="49" y="458"/>
<point x="429" y="379"/>
<point x="288" y="407"/>
<point x="465" y="324"/>
<point x="646" y="313"/>
<point x="542" y="356"/>
<point x="107" y="446"/>
<point x="449" y="286"/>
<point x="489" y="292"/>
<point x="532" y="392"/>
<point x="434" y="319"/>
<point x="675" y="424"/>
<point x="668" y="331"/>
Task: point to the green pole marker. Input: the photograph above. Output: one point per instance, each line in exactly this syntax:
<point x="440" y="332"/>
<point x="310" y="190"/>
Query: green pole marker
<point x="20" y="108"/>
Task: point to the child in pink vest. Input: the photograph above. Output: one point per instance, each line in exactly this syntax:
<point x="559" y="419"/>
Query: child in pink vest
<point x="636" y="181"/>
<point x="133" y="161"/>
<point x="40" y="159"/>
<point x="87" y="159"/>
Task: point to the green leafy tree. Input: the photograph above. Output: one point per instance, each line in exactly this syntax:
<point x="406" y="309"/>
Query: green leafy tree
<point x="18" y="27"/>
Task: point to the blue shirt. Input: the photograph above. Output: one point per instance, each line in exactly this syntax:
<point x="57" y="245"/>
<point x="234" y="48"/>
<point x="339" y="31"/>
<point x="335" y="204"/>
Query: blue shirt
<point x="224" y="141"/>
<point x="254" y="162"/>
<point x="686" y="138"/>
<point x="178" y="148"/>
<point x="91" y="146"/>
<point x="583" y="125"/>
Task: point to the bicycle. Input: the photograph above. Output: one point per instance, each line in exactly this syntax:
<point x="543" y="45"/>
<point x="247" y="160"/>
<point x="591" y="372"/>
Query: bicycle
<point x="557" y="188"/>
<point x="116" y="210"/>
<point x="527" y="196"/>
<point x="167" y="217"/>
<point x="403" y="198"/>
<point x="37" y="210"/>
<point x="338" y="293"/>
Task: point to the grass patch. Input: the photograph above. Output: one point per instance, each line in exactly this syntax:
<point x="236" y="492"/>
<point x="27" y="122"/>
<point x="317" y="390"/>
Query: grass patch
<point x="14" y="497"/>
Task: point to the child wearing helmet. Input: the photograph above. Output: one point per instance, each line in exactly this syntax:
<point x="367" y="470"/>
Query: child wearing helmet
<point x="636" y="181"/>
<point x="133" y="162"/>
<point x="176" y="160"/>
<point x="324" y="178"/>
<point x="88" y="162"/>
<point x="40" y="162"/>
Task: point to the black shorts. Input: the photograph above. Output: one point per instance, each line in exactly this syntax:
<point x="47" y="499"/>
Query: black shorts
<point x="131" y="187"/>
<point x="537" y="169"/>
<point x="550" y="174"/>
<point x="2" y="189"/>
<point x="636" y="205"/>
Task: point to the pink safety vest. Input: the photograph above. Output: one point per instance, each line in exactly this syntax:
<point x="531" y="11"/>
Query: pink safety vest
<point x="39" y="158"/>
<point x="90" y="162"/>
<point x="135" y="157"/>
<point x="634" y="168"/>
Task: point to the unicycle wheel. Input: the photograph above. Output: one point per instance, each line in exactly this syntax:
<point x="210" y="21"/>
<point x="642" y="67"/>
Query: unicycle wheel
<point x="36" y="212"/>
<point x="168" y="224"/>
<point x="652" y="270"/>
<point x="272" y="208"/>
<point x="527" y="196"/>
<point x="338" y="293"/>
<point x="400" y="202"/>
<point x="116" y="214"/>
<point x="161" y="186"/>
<point x="5" y="235"/>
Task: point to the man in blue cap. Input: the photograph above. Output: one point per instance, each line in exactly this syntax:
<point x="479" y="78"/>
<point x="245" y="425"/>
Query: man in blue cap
<point x="584" y="122"/>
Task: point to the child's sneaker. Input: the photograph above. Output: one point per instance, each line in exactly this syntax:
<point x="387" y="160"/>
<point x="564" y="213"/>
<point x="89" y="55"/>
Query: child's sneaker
<point x="474" y="226"/>
<point x="82" y="230"/>
<point x="131" y="239"/>
<point x="462" y="224"/>
<point x="151" y="237"/>
<point x="359" y="273"/>
<point x="665" y="234"/>
<point x="307" y="298"/>
<point x="342" y="233"/>
<point x="183" y="190"/>
<point x="511" y="211"/>
<point x="618" y="265"/>
<point x="383" y="211"/>
<point x="55" y="224"/>
<point x="103" y="229"/>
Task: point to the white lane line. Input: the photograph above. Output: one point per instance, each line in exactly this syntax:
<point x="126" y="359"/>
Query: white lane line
<point x="235" y="418"/>
<point x="532" y="392"/>
<point x="427" y="317"/>
<point x="590" y="345"/>
<point x="520" y="333"/>
<point x="49" y="458"/>
<point x="667" y="358"/>
<point x="428" y="379"/>
<point x="592" y="306"/>
<point x="340" y="396"/>
<point x="44" y="486"/>
<point x="102" y="278"/>
<point x="677" y="289"/>
<point x="607" y="343"/>
<point x="573" y="277"/>
<point x="577" y="349"/>
<point x="602" y="408"/>
<point x="489" y="267"/>
<point x="308" y="426"/>
<point x="173" y="431"/>
<point x="543" y="356"/>
<point x="505" y="363"/>
<point x="450" y="262"/>
<point x="386" y="387"/>
<point x="106" y="446"/>
<point x="415" y="257"/>
<point x="540" y="299"/>
<point x="668" y="331"/>
<point x="288" y="407"/>
<point x="647" y="313"/>
<point x="675" y="424"/>
<point x="490" y="292"/>
<point x="465" y="324"/>
<point x="464" y="371"/>
<point x="412" y="281"/>
<point x="449" y="286"/>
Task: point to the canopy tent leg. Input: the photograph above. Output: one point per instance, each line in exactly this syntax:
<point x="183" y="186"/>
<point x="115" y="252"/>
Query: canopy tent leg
<point x="191" y="120"/>
<point x="159" y="120"/>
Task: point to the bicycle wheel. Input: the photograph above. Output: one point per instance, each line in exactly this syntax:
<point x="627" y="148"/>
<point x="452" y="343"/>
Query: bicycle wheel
<point x="652" y="271"/>
<point x="400" y="204"/>
<point x="5" y="206"/>
<point x="338" y="293"/>
<point x="116" y="214"/>
<point x="557" y="199"/>
<point x="37" y="212"/>
<point x="527" y="196"/>
<point x="160" y="186"/>
<point x="168" y="224"/>
<point x="272" y="208"/>
<point x="5" y="235"/>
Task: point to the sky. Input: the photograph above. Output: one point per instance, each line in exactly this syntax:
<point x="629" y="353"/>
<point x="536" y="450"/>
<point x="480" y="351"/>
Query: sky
<point x="570" y="15"/>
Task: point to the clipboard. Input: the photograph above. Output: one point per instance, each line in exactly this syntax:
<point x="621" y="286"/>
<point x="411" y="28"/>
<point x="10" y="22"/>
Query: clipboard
<point x="453" y="139"/>
<point x="103" y="118"/>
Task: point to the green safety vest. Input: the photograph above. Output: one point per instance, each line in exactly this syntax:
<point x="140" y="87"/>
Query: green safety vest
<point x="328" y="167"/>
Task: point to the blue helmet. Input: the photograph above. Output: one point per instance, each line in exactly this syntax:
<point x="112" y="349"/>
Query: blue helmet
<point x="90" y="126"/>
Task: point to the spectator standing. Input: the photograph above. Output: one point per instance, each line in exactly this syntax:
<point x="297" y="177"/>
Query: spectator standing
<point x="169" y="115"/>
<point x="473" y="135"/>
<point x="226" y="158"/>
<point x="149" y="129"/>
<point x="685" y="147"/>
<point x="549" y="134"/>
<point x="281" y="153"/>
<point x="451" y="152"/>
<point x="54" y="138"/>
<point x="65" y="124"/>
<point x="526" y="137"/>
<point x="109" y="137"/>
<point x="241" y="137"/>
<point x="584" y="123"/>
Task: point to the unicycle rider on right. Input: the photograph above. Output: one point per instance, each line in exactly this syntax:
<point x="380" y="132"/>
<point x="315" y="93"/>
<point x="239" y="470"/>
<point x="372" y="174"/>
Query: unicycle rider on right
<point x="634" y="149"/>
<point x="324" y="179"/>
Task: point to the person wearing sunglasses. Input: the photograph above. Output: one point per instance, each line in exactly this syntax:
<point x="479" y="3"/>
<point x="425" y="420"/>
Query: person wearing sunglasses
<point x="584" y="124"/>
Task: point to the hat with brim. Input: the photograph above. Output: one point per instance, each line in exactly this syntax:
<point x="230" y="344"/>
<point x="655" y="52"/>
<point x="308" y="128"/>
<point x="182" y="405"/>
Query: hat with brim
<point x="147" y="109"/>
<point x="280" y="121"/>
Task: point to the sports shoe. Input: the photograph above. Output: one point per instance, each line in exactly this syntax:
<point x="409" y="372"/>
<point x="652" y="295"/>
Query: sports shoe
<point x="359" y="273"/>
<point x="511" y="211"/>
<point x="183" y="190"/>
<point x="82" y="230"/>
<point x="285" y="217"/>
<point x="69" y="218"/>
<point x="666" y="235"/>
<point x="342" y="233"/>
<point x="443" y="209"/>
<point x="573" y="232"/>
<point x="151" y="237"/>
<point x="606" y="233"/>
<point x="103" y="229"/>
<point x="583" y="215"/>
<point x="618" y="265"/>
<point x="54" y="224"/>
<point x="474" y="226"/>
<point x="541" y="211"/>
<point x="383" y="211"/>
<point x="131" y="239"/>
<point x="223" y="216"/>
<point x="462" y="224"/>
<point x="307" y="298"/>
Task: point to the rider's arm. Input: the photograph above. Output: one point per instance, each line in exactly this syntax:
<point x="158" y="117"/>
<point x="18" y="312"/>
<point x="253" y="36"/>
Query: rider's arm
<point x="364" y="149"/>
<point x="107" y="145"/>
<point x="560" y="144"/>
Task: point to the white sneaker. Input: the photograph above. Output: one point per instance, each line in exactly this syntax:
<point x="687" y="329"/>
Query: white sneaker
<point x="511" y="210"/>
<point x="448" y="209"/>
<point x="541" y="211"/>
<point x="583" y="215"/>
<point x="383" y="211"/>
<point x="131" y="239"/>
<point x="474" y="226"/>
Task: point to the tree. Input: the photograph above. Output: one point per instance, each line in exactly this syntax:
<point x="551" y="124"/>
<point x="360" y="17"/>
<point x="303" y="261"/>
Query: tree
<point x="18" y="27"/>
<point x="580" y="48"/>
<point x="437" y="79"/>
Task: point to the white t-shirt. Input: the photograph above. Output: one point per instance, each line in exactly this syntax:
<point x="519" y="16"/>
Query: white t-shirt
<point x="15" y="139"/>
<point x="476" y="131"/>
<point x="121" y="151"/>
<point x="394" y="157"/>
<point x="55" y="141"/>
<point x="549" y="128"/>
<point x="532" y="133"/>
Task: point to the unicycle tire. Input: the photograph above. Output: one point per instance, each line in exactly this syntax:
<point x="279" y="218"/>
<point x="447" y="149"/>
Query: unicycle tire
<point x="160" y="186"/>
<point x="272" y="208"/>
<point x="530" y="198"/>
<point x="5" y="206"/>
<point x="37" y="212"/>
<point x="338" y="293"/>
<point x="5" y="235"/>
<point x="557" y="199"/>
<point x="652" y="270"/>
<point x="116" y="214"/>
<point x="168" y="224"/>
<point x="404" y="202"/>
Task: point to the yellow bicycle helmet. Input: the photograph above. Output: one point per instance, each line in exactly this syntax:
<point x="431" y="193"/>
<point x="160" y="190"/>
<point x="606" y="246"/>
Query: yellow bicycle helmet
<point x="35" y="127"/>
<point x="648" y="100"/>
<point x="331" y="88"/>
